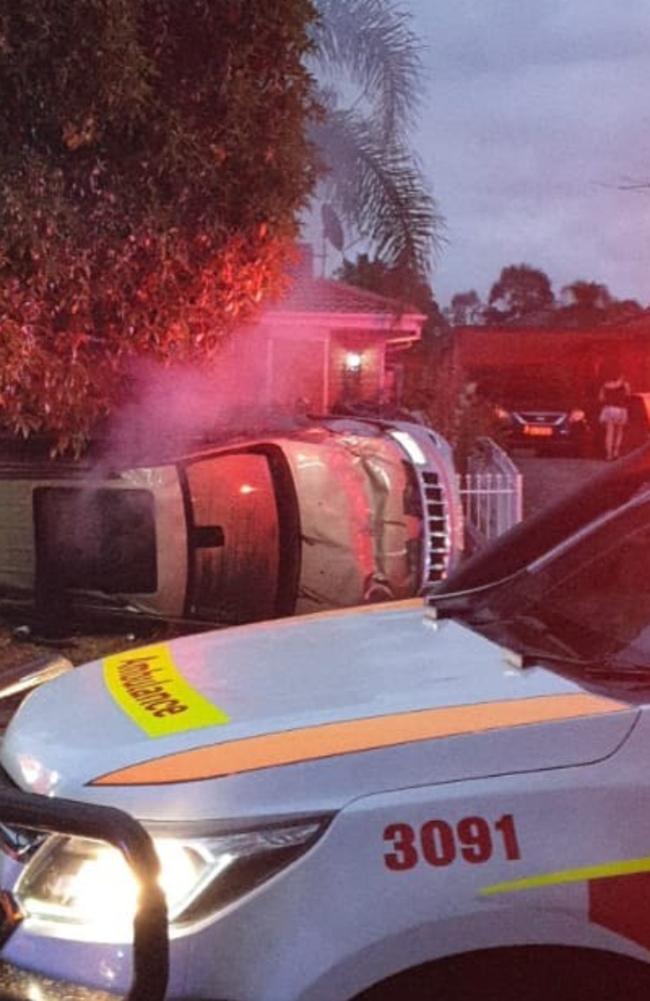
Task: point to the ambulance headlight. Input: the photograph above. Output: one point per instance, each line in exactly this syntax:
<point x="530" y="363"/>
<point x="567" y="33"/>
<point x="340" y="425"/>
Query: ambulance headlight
<point x="83" y="889"/>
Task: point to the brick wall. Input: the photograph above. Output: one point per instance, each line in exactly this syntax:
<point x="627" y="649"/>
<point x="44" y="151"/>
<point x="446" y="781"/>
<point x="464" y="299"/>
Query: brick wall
<point x="298" y="374"/>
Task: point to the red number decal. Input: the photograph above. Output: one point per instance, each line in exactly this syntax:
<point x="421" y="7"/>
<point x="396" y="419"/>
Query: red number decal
<point x="475" y="839"/>
<point x="506" y="828"/>
<point x="405" y="854"/>
<point x="437" y="840"/>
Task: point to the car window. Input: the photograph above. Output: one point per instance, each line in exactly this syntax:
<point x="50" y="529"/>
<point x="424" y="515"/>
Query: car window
<point x="235" y="545"/>
<point x="96" y="539"/>
<point x="594" y="596"/>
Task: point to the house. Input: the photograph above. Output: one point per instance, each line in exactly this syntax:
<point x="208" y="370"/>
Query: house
<point x="329" y="343"/>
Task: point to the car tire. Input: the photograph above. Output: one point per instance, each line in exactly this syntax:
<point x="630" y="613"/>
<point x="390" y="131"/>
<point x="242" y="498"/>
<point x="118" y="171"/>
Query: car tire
<point x="527" y="973"/>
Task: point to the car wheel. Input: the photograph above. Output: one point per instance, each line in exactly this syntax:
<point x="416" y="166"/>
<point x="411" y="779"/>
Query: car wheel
<point x="530" y="973"/>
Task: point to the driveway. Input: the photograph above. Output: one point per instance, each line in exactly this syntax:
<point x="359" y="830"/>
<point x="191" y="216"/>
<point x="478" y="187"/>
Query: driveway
<point x="547" y="480"/>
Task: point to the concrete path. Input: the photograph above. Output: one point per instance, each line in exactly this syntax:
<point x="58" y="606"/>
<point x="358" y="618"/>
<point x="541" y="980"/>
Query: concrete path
<point x="547" y="480"/>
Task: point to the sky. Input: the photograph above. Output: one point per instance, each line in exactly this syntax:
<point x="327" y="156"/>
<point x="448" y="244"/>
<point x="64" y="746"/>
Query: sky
<point x="533" y="114"/>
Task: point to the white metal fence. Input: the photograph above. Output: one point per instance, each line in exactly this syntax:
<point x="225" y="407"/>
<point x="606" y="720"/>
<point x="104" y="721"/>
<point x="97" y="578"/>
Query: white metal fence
<point x="491" y="493"/>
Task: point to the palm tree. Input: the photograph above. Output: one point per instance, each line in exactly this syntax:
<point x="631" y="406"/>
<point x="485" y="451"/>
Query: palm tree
<point x="371" y="176"/>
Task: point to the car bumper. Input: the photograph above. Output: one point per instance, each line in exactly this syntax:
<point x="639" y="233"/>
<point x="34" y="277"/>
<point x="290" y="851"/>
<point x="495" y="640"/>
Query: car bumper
<point x="557" y="439"/>
<point x="20" y="810"/>
<point x="26" y="985"/>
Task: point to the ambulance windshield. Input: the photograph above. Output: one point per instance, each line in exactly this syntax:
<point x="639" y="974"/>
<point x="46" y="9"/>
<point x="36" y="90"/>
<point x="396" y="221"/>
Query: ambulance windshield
<point x="590" y="598"/>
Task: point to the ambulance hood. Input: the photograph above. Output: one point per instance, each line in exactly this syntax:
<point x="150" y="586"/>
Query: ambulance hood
<point x="299" y="717"/>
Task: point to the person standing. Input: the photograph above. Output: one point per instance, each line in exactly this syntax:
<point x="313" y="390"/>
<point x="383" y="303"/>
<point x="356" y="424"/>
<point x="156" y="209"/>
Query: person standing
<point x="613" y="396"/>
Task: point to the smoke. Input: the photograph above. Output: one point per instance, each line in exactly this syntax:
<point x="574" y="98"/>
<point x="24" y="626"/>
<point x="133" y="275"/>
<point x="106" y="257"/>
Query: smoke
<point x="94" y="539"/>
<point x="176" y="407"/>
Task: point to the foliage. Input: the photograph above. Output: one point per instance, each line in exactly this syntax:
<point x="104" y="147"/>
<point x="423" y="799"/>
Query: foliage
<point x="406" y="289"/>
<point x="586" y="295"/>
<point x="590" y="304"/>
<point x="465" y="309"/>
<point x="372" y="177"/>
<point x="153" y="160"/>
<point x="373" y="41"/>
<point x="436" y="388"/>
<point x="523" y="296"/>
<point x="621" y="311"/>
<point x="520" y="291"/>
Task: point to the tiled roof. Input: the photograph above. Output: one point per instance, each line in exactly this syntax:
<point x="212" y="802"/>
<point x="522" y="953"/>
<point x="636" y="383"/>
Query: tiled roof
<point x="323" y="295"/>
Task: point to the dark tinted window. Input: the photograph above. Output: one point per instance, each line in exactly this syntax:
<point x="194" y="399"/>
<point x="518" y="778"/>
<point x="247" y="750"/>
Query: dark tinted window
<point x="592" y="599"/>
<point x="100" y="540"/>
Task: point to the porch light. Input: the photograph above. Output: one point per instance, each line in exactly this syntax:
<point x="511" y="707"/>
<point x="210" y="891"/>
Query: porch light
<point x="353" y="361"/>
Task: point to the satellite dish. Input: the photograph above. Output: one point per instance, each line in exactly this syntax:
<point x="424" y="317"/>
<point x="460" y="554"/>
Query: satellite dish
<point x="332" y="228"/>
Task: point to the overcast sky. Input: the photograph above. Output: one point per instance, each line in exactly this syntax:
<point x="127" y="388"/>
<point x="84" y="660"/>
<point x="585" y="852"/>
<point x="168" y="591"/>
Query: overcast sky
<point x="534" y="111"/>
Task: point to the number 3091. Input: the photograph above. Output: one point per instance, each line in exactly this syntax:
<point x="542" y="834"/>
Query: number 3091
<point x="472" y="839"/>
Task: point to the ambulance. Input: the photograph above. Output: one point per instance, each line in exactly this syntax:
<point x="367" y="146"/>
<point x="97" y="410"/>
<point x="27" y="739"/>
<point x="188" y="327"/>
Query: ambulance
<point x="421" y="800"/>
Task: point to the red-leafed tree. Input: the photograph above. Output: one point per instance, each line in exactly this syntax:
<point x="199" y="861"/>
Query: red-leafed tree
<point x="153" y="162"/>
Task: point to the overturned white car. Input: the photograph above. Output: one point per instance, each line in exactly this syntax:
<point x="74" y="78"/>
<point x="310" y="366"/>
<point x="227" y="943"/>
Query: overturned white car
<point x="335" y="513"/>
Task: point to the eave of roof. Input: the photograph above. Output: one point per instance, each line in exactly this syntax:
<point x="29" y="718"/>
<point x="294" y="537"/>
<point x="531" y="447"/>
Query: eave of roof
<point x="323" y="296"/>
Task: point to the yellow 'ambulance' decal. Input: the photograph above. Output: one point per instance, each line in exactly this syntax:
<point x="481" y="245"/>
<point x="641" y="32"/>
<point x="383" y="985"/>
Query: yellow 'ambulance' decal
<point x="150" y="689"/>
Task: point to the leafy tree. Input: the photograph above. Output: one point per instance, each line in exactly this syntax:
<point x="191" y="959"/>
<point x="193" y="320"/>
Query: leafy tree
<point x="372" y="178"/>
<point x="519" y="292"/>
<point x="153" y="161"/>
<point x="465" y="309"/>
<point x="437" y="389"/>
<point x="622" y="311"/>
<point x="395" y="283"/>
<point x="588" y="304"/>
<point x="586" y="295"/>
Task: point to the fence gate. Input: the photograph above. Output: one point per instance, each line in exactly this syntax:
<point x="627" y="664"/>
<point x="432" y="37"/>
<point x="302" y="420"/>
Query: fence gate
<point x="491" y="494"/>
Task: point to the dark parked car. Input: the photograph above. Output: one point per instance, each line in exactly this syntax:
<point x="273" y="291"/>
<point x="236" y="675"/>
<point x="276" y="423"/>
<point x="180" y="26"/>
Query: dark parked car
<point x="547" y="428"/>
